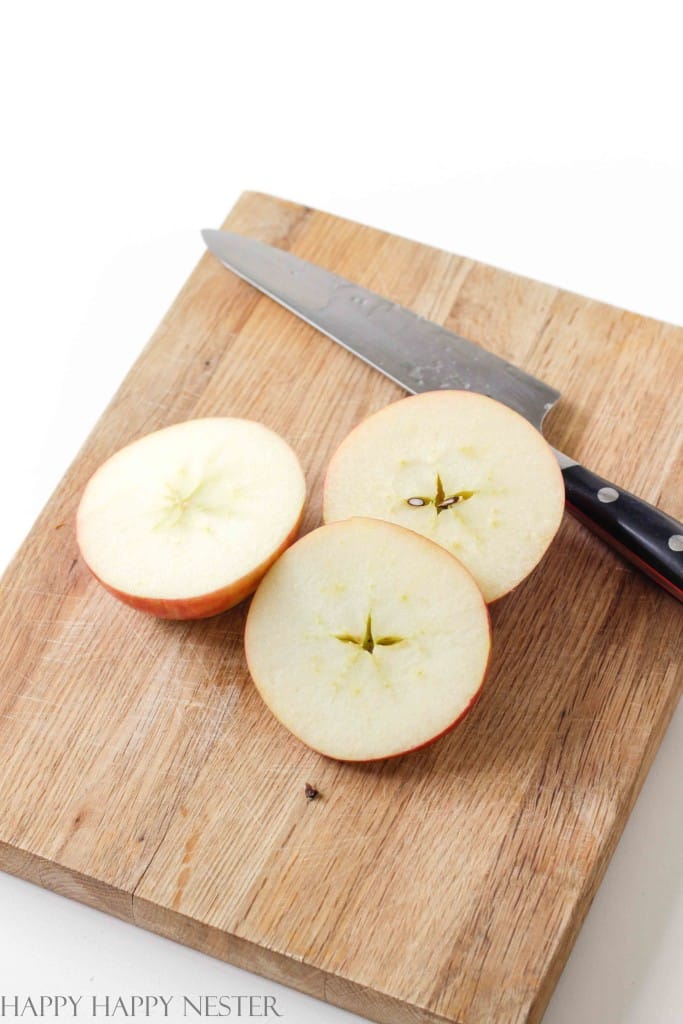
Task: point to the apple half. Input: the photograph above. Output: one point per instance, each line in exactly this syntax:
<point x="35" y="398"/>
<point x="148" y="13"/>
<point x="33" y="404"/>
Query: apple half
<point x="184" y="522"/>
<point x="461" y="469"/>
<point x="367" y="641"/>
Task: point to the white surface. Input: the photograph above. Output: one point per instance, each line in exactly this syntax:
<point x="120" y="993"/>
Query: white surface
<point x="541" y="139"/>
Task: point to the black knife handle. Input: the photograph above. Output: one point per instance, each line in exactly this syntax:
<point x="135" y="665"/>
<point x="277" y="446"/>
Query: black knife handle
<point x="643" y="534"/>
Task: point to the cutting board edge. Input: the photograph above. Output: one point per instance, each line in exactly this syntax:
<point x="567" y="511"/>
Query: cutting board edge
<point x="276" y="966"/>
<point x="593" y="881"/>
<point x="64" y="881"/>
<point x="306" y="209"/>
<point x="271" y="964"/>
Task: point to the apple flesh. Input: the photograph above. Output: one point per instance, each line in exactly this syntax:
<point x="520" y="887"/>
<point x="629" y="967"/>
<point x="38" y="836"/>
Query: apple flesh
<point x="184" y="522"/>
<point x="367" y="641"/>
<point x="461" y="469"/>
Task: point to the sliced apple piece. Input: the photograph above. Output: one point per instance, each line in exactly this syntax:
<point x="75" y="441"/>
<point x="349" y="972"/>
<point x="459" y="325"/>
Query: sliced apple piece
<point x="461" y="469"/>
<point x="367" y="641"/>
<point x="184" y="522"/>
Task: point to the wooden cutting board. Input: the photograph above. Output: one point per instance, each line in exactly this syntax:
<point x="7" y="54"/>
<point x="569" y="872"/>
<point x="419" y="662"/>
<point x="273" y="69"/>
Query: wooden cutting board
<point x="141" y="773"/>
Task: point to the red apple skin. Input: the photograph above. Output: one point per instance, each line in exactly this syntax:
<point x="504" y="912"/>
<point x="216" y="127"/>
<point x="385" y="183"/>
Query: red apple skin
<point x="202" y="605"/>
<point x="409" y="750"/>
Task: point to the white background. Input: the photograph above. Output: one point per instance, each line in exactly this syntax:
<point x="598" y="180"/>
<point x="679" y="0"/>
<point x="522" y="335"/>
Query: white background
<point x="542" y="138"/>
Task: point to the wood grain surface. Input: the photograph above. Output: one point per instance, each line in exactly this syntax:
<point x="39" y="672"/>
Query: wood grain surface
<point x="142" y="774"/>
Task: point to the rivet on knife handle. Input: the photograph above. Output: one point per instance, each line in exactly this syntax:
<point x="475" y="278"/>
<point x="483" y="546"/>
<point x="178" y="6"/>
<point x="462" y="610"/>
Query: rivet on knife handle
<point x="643" y="534"/>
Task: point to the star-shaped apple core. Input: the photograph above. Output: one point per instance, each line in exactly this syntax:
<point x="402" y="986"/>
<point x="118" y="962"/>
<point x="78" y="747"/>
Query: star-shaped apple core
<point x="441" y="501"/>
<point x="367" y="642"/>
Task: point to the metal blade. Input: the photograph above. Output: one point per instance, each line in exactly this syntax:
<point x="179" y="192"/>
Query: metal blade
<point x="415" y="353"/>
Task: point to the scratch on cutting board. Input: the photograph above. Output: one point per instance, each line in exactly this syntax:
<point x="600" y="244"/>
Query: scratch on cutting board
<point x="324" y="852"/>
<point x="69" y="657"/>
<point x="34" y="685"/>
<point x="85" y="623"/>
<point x="315" y="853"/>
<point x="192" y="647"/>
<point x="63" y="643"/>
<point x="26" y="717"/>
<point x="188" y="703"/>
<point x="167" y="403"/>
<point x="277" y="769"/>
<point x="247" y="805"/>
<point x="31" y="682"/>
<point x="66" y="658"/>
<point x="156" y="406"/>
<point x="195" y="655"/>
<point x="145" y="643"/>
<point x="43" y="593"/>
<point x="42" y="700"/>
<point x="418" y="815"/>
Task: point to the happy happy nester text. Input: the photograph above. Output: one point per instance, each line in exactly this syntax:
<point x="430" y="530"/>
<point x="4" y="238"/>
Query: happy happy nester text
<point x="119" y="1007"/>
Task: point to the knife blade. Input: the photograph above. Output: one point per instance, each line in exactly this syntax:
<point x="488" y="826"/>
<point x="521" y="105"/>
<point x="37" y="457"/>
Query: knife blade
<point x="415" y="353"/>
<point x="421" y="355"/>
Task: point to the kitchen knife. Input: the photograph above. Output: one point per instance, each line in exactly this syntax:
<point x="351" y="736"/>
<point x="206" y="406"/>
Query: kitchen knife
<point x="420" y="355"/>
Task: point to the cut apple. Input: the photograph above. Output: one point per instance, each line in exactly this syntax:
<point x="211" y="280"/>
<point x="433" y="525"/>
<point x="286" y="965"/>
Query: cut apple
<point x="184" y="522"/>
<point x="367" y="641"/>
<point x="461" y="469"/>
